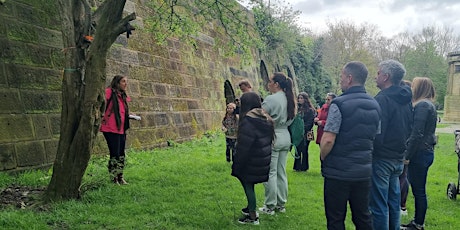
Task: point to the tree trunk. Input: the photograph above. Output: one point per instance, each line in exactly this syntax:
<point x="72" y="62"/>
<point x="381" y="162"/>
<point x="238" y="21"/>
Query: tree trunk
<point x="82" y="89"/>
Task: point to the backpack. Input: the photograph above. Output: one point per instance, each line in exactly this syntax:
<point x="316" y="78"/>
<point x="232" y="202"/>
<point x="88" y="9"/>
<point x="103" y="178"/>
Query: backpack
<point x="297" y="131"/>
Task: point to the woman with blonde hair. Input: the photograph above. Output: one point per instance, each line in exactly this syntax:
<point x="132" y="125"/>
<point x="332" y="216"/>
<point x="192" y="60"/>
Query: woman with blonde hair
<point x="280" y="105"/>
<point x="420" y="146"/>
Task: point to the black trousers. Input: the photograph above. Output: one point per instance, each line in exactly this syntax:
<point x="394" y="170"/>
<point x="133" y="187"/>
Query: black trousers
<point x="116" y="143"/>
<point x="337" y="194"/>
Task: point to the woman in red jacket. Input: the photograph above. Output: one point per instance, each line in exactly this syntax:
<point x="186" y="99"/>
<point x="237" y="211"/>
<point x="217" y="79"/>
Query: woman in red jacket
<point x="114" y="125"/>
<point x="320" y="120"/>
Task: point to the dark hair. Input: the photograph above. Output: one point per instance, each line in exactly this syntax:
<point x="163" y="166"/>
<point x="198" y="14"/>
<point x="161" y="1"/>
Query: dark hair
<point x="249" y="100"/>
<point x="115" y="84"/>
<point x="245" y="82"/>
<point x="305" y="96"/>
<point x="358" y="70"/>
<point x="394" y="69"/>
<point x="285" y="84"/>
<point x="331" y="95"/>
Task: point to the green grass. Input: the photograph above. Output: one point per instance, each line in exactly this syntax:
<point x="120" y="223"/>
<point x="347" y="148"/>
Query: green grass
<point x="189" y="187"/>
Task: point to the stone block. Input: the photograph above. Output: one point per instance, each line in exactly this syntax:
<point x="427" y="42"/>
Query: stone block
<point x="16" y="128"/>
<point x="161" y="119"/>
<point x="146" y="89"/>
<point x="192" y="105"/>
<point x="22" y="32"/>
<point x="177" y="119"/>
<point x="30" y="153"/>
<point x="7" y="157"/>
<point x="55" y="124"/>
<point x="25" y="77"/>
<point x="51" y="147"/>
<point x="3" y="26"/>
<point x="41" y="127"/>
<point x="11" y="101"/>
<point x="39" y="102"/>
<point x="3" y="76"/>
<point x="49" y="37"/>
<point x="160" y="90"/>
<point x="179" y="105"/>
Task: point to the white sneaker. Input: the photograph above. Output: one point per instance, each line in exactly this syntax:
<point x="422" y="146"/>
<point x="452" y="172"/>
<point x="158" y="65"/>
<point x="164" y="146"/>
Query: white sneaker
<point x="403" y="212"/>
<point x="281" y="209"/>
<point x="266" y="210"/>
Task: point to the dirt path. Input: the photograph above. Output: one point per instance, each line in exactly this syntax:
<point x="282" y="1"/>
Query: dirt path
<point x="450" y="128"/>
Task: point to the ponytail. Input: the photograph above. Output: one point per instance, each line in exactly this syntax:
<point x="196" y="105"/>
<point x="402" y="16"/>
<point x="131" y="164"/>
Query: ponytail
<point x="287" y="86"/>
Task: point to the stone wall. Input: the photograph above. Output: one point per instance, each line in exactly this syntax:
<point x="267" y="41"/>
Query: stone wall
<point x="451" y="101"/>
<point x="178" y="90"/>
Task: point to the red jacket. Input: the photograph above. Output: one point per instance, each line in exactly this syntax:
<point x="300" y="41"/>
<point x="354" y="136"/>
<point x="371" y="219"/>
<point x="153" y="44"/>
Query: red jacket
<point x="322" y="116"/>
<point x="109" y="123"/>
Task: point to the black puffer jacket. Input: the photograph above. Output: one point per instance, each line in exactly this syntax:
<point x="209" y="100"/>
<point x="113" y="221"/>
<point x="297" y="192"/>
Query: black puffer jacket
<point x="422" y="136"/>
<point x="251" y="162"/>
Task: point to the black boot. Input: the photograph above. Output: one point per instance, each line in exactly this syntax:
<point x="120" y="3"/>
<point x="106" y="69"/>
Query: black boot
<point x="121" y="180"/>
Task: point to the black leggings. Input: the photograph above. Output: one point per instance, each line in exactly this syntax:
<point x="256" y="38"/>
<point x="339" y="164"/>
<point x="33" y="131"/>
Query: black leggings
<point x="116" y="143"/>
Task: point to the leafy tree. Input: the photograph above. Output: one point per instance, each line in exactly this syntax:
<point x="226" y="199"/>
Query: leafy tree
<point x="425" y="61"/>
<point x="344" y="42"/>
<point x="89" y="28"/>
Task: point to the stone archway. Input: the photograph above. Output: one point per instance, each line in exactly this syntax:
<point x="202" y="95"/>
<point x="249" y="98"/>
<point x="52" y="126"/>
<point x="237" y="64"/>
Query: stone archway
<point x="229" y="93"/>
<point x="264" y="75"/>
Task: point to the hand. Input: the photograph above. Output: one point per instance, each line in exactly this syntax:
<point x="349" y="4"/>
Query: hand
<point x="224" y="129"/>
<point x="316" y="119"/>
<point x="319" y="123"/>
<point x="135" y="117"/>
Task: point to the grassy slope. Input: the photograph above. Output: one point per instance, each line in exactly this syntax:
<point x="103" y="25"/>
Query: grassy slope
<point x="189" y="187"/>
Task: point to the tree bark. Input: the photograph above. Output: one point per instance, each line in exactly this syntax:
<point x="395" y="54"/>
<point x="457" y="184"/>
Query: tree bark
<point x="82" y="89"/>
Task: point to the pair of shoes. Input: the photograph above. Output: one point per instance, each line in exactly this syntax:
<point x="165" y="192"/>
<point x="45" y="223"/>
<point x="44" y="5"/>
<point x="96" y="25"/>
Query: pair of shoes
<point x="245" y="212"/>
<point x="411" y="226"/>
<point x="248" y="220"/>
<point x="267" y="210"/>
<point x="403" y="212"/>
<point x="281" y="209"/>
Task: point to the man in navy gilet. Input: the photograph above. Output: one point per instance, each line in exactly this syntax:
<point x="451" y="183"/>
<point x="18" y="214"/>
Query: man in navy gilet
<point x="346" y="150"/>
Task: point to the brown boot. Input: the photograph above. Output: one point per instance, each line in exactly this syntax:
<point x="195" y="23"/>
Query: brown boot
<point x="121" y="180"/>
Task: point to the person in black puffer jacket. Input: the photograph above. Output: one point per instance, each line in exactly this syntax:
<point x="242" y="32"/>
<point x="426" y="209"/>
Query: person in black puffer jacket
<point x="251" y="162"/>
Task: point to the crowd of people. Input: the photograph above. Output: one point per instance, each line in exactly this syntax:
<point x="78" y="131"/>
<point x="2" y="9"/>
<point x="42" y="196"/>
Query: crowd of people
<point x="371" y="148"/>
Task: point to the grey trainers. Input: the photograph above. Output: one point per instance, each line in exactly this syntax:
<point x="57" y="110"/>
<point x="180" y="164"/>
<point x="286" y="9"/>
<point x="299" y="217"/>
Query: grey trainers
<point x="266" y="210"/>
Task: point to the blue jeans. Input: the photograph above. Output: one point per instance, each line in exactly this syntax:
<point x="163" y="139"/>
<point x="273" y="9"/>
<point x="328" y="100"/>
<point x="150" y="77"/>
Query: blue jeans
<point x="417" y="173"/>
<point x="385" y="194"/>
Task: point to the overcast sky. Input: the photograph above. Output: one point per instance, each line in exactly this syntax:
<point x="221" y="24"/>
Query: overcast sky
<point x="390" y="16"/>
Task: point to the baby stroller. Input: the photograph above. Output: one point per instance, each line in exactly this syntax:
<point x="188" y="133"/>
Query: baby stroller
<point x="452" y="190"/>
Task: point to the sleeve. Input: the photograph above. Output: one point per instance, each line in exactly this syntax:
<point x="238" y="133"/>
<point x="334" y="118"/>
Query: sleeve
<point x="421" y="111"/>
<point x="267" y="105"/>
<point x="334" y="119"/>
<point x="384" y="120"/>
<point x="245" y="139"/>
<point x="308" y="120"/>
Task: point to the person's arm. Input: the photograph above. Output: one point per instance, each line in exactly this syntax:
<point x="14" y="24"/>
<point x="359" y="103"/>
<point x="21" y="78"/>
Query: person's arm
<point x="327" y="142"/>
<point x="334" y="121"/>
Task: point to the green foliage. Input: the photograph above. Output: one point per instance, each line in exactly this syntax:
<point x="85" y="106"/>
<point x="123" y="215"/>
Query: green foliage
<point x="284" y="39"/>
<point x="186" y="20"/>
<point x="189" y="187"/>
<point x="424" y="61"/>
